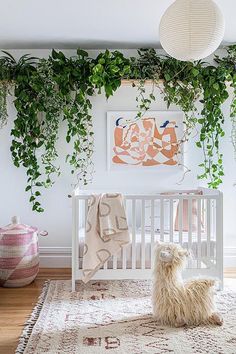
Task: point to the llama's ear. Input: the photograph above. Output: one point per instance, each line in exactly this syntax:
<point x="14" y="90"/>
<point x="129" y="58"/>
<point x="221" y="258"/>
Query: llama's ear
<point x="184" y="252"/>
<point x="158" y="243"/>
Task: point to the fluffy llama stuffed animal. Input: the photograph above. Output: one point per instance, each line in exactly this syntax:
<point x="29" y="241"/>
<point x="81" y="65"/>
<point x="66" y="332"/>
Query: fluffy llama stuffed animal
<point x="176" y="303"/>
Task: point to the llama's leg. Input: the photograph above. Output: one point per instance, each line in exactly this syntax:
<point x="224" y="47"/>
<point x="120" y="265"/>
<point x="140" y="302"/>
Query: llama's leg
<point x="216" y="319"/>
<point x="203" y="283"/>
<point x="156" y="318"/>
<point x="180" y="324"/>
<point x="155" y="315"/>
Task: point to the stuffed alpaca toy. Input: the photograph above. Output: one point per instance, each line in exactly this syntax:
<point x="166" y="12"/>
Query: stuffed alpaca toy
<point x="176" y="303"/>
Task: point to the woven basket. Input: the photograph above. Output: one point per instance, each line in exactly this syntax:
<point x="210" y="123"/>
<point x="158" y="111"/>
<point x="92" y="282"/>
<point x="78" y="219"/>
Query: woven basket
<point x="19" y="256"/>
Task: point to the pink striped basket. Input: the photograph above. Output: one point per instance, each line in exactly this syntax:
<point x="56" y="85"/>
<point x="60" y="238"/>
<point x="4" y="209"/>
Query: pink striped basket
<point x="19" y="256"/>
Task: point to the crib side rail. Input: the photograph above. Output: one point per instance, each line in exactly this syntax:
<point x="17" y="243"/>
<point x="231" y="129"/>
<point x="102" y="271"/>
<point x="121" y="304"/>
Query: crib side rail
<point x="158" y="196"/>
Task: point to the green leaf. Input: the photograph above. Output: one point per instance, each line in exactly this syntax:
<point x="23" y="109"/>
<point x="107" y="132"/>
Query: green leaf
<point x="195" y="72"/>
<point x="82" y="53"/>
<point x="198" y="144"/>
<point x="167" y="77"/>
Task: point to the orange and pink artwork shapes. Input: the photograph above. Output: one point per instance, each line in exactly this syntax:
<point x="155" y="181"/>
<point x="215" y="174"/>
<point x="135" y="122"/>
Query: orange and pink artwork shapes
<point x="145" y="142"/>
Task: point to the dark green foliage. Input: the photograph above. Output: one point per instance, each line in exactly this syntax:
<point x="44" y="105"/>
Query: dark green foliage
<point x="184" y="84"/>
<point x="108" y="70"/>
<point x="48" y="91"/>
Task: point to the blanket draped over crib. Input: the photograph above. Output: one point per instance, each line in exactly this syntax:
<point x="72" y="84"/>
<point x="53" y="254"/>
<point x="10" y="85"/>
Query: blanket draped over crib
<point x="106" y="231"/>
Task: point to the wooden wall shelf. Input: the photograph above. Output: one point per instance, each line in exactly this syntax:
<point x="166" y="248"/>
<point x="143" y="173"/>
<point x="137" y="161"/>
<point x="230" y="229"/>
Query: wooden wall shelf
<point x="126" y="82"/>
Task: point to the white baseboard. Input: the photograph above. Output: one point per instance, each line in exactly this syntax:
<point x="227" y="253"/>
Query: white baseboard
<point x="60" y="257"/>
<point x="230" y="257"/>
<point x="55" y="257"/>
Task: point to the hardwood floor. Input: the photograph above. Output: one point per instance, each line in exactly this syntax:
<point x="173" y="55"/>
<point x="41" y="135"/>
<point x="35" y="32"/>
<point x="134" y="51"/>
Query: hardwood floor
<point x="16" y="305"/>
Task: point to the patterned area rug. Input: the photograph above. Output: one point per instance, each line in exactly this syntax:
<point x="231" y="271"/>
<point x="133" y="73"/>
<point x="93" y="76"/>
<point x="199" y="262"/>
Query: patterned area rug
<point x="115" y="317"/>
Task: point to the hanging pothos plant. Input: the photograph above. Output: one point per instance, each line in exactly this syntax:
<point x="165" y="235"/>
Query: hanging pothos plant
<point x="49" y="91"/>
<point x="177" y="82"/>
<point x="185" y="84"/>
<point x="228" y="64"/>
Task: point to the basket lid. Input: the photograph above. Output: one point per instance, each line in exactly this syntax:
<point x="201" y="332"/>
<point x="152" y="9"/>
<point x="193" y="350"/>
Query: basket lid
<point x="17" y="228"/>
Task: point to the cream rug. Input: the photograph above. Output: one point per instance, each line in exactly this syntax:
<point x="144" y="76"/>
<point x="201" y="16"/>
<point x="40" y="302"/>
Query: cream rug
<point x="115" y="317"/>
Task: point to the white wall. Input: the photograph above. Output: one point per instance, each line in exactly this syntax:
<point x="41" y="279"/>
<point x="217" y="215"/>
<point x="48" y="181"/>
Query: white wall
<point x="57" y="216"/>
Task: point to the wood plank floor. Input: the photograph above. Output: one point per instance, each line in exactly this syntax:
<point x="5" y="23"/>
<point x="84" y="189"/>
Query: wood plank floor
<point x="16" y="306"/>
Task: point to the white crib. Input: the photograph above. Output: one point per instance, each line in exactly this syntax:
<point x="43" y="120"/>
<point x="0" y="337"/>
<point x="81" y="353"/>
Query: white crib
<point x="159" y="217"/>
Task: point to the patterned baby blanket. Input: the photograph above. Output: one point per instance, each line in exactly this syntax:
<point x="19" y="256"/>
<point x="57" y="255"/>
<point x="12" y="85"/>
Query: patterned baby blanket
<point x="106" y="231"/>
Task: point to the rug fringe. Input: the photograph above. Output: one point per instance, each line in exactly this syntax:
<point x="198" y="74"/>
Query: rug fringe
<point x="29" y="324"/>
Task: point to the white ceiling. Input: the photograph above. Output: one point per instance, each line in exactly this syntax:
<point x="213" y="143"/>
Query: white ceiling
<point x="90" y="23"/>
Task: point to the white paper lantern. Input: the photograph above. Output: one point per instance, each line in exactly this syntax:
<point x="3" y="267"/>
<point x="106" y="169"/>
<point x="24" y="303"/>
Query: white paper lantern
<point x="191" y="29"/>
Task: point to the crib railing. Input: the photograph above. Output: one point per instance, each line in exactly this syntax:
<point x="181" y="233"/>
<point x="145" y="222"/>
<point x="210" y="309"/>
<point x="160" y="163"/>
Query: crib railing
<point x="193" y="220"/>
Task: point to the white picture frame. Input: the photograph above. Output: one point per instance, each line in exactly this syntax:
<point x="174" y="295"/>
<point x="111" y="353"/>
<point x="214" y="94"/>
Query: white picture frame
<point x="120" y="123"/>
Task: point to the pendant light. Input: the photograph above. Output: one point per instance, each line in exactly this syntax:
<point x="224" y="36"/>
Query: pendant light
<point x="191" y="29"/>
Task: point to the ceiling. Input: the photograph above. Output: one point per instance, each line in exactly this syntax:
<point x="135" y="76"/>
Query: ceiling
<point x="90" y="24"/>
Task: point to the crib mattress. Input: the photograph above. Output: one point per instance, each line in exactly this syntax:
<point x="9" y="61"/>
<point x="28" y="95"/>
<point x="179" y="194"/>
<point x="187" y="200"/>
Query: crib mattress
<point x="138" y="248"/>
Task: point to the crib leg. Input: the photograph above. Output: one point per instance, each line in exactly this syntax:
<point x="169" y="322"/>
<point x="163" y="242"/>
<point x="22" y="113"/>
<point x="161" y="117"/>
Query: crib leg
<point x="221" y="285"/>
<point x="73" y="271"/>
<point x="74" y="251"/>
<point x="73" y="285"/>
<point x="219" y="239"/>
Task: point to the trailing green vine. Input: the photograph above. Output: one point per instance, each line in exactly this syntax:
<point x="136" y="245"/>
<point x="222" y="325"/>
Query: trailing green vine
<point x="3" y="103"/>
<point x="184" y="84"/>
<point x="228" y="63"/>
<point x="211" y="122"/>
<point x="50" y="91"/>
<point x="71" y="76"/>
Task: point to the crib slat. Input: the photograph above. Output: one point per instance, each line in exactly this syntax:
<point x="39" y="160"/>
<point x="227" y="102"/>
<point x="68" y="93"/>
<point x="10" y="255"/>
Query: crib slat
<point x="124" y="248"/>
<point x="114" y="261"/>
<point x="152" y="231"/>
<point x="143" y="234"/>
<point x="208" y="228"/>
<point x="162" y="220"/>
<point x="213" y="218"/>
<point x="85" y="210"/>
<point x="134" y="234"/>
<point x="125" y="205"/>
<point x="180" y="220"/>
<point x="204" y="221"/>
<point x="123" y="258"/>
<point x="190" y="214"/>
<point x="114" y="258"/>
<point x="199" y="232"/>
<point x="171" y="220"/>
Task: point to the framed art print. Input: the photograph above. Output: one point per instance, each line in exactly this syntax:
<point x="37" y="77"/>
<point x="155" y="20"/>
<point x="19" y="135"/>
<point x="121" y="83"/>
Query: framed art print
<point x="144" y="143"/>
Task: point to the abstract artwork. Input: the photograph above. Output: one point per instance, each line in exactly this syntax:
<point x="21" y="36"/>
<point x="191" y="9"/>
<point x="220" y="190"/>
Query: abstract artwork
<point x="145" y="142"/>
